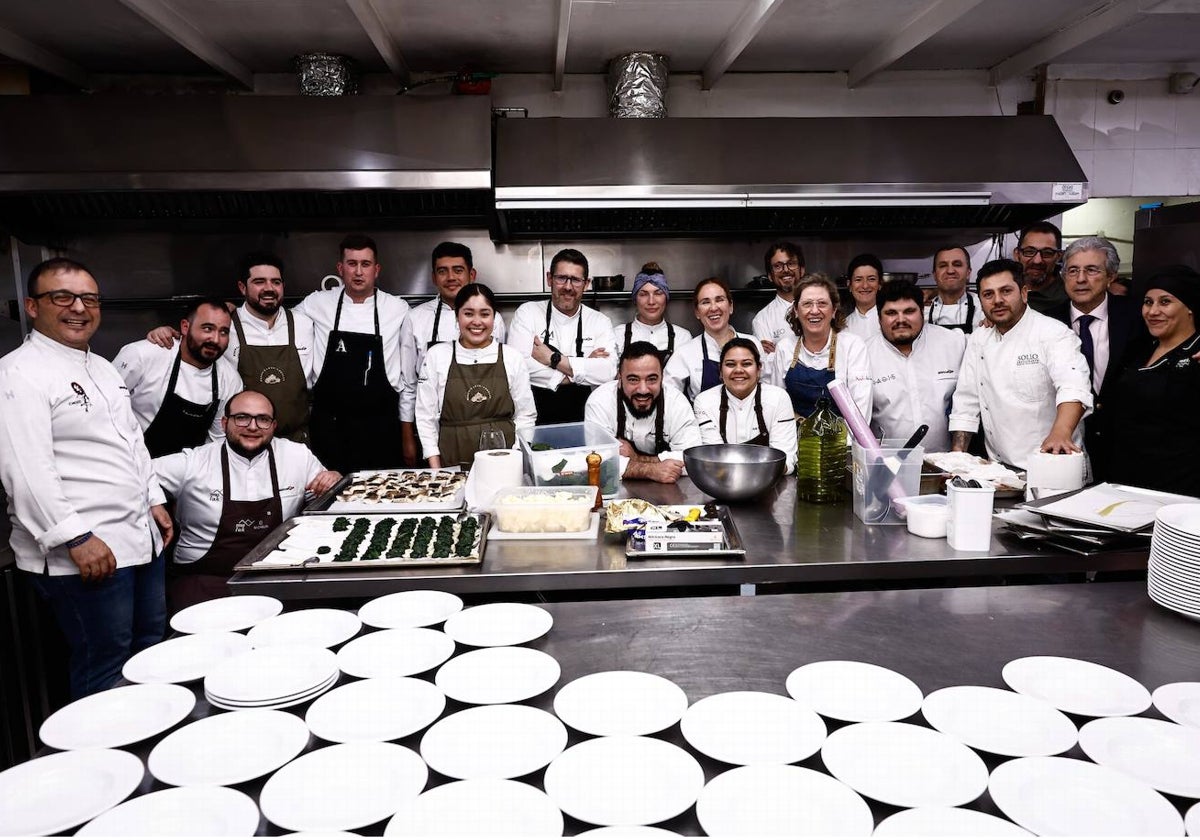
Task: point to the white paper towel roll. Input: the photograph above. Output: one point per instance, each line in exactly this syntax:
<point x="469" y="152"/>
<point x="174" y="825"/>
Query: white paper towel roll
<point x="1058" y="473"/>
<point x="492" y="470"/>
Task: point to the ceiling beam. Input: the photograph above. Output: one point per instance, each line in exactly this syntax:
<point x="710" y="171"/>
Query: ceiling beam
<point x="754" y="18"/>
<point x="183" y="32"/>
<point x="371" y="22"/>
<point x="924" y="25"/>
<point x="17" y="48"/>
<point x="1102" y="21"/>
<point x="560" y="48"/>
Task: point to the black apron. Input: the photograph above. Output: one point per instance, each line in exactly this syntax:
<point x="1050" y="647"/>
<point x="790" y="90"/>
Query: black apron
<point x="275" y="370"/>
<point x="660" y="410"/>
<point x="763" y="438"/>
<point x="477" y="397"/>
<point x="967" y="327"/>
<point x="566" y="403"/>
<point x="180" y="424"/>
<point x="242" y="526"/>
<point x="437" y="322"/>
<point x="356" y="412"/>
<point x="666" y="354"/>
<point x="806" y="385"/>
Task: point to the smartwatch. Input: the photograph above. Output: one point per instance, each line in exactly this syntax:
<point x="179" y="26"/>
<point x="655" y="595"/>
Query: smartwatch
<point x="555" y="358"/>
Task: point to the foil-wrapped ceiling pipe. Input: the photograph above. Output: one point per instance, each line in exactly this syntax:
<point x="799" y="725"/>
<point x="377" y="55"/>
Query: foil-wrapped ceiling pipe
<point x="326" y="74"/>
<point x="637" y="85"/>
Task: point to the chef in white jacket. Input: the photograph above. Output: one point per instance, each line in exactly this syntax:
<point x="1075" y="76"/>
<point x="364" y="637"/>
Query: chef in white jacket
<point x="651" y="294"/>
<point x="864" y="276"/>
<point x="179" y="395"/>
<point x="1025" y="378"/>
<point x="784" y="263"/>
<point x="231" y="493"/>
<point x="433" y="322"/>
<point x="914" y="368"/>
<point x="745" y="409"/>
<point x="568" y="348"/>
<point x="88" y="521"/>
<point x="696" y="367"/>
<point x="652" y="420"/>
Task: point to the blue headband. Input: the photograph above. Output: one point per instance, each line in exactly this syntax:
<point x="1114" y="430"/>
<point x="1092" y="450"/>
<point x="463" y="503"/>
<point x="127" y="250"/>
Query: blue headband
<point x="656" y="280"/>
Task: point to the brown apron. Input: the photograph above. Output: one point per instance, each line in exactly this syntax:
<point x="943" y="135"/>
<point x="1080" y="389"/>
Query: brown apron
<point x="763" y="438"/>
<point x="242" y="526"/>
<point x="476" y="398"/>
<point x="276" y="371"/>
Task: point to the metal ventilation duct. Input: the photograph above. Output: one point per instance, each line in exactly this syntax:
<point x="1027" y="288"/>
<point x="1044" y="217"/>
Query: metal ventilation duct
<point x="637" y="85"/>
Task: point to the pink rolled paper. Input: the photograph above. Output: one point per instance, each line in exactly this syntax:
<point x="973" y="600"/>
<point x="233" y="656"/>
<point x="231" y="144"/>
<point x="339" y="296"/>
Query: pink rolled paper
<point x="859" y="427"/>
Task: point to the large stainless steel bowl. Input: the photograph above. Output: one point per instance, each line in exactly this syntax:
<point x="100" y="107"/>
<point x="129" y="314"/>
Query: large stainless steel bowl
<point x="730" y="472"/>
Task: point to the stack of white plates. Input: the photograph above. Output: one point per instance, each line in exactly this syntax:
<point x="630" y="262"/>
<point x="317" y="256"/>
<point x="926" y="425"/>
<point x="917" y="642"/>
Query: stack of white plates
<point x="272" y="677"/>
<point x="1173" y="573"/>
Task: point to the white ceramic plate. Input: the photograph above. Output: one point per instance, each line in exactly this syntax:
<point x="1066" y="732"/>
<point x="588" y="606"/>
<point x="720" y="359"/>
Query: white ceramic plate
<point x="235" y="612"/>
<point x="50" y="794"/>
<point x="228" y="749"/>
<point x="617" y="831"/>
<point x="321" y="627"/>
<point x="854" y="691"/>
<point x="498" y="625"/>
<point x="1183" y="518"/>
<point x="1164" y="755"/>
<point x="781" y="800"/>
<point x="946" y="822"/>
<point x="906" y="765"/>
<point x="753" y="727"/>
<point x="498" y="675"/>
<point x="343" y="787"/>
<point x="183" y="659"/>
<point x="271" y="673"/>
<point x="493" y="742"/>
<point x="624" y="780"/>
<point x="280" y="703"/>
<point x="479" y="808"/>
<point x="118" y="716"/>
<point x="402" y="652"/>
<point x="381" y="709"/>
<point x="179" y="812"/>
<point x="620" y="703"/>
<point x="418" y="608"/>
<point x="1180" y="702"/>
<point x="1191" y="820"/>
<point x="1077" y="686"/>
<point x="998" y="721"/>
<point x="1068" y="797"/>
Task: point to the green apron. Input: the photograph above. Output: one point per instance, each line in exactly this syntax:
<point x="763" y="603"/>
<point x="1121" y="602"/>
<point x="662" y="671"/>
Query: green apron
<point x="477" y="398"/>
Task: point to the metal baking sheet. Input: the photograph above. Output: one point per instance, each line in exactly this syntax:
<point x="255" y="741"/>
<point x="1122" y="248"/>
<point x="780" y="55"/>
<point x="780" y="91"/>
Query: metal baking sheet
<point x="327" y="502"/>
<point x="273" y="539"/>
<point x="1051" y="506"/>
<point x="733" y="539"/>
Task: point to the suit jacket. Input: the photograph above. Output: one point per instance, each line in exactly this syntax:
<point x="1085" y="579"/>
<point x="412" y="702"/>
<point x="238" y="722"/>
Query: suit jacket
<point x="1126" y="333"/>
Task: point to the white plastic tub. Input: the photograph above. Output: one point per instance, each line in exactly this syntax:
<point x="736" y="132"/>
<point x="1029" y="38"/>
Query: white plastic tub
<point x="925" y="516"/>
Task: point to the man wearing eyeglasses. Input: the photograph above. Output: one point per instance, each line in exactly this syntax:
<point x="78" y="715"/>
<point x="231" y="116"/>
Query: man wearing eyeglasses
<point x="1039" y="249"/>
<point x="231" y="493"/>
<point x="88" y="521"/>
<point x="784" y="262"/>
<point x="570" y="348"/>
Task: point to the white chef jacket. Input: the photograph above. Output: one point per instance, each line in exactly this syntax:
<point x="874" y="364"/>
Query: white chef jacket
<point x="656" y="335"/>
<point x="741" y="423"/>
<point x="530" y="321"/>
<point x="685" y="370"/>
<point x="431" y="388"/>
<point x="679" y="424"/>
<point x="1015" y="382"/>
<point x="416" y="333"/>
<point x="146" y="369"/>
<point x="321" y="307"/>
<point x="72" y="458"/>
<point x="770" y="324"/>
<point x="193" y="477"/>
<point x="259" y="334"/>
<point x="1099" y="330"/>
<point x="852" y="365"/>
<point x="865" y="326"/>
<point x="955" y="313"/>
<point x="915" y="390"/>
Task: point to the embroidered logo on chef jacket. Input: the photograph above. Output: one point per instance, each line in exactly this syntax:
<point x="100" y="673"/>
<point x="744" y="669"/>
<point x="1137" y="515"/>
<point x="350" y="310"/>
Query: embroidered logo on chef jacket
<point x="214" y="496"/>
<point x="83" y="397"/>
<point x="888" y="378"/>
<point x="341" y="347"/>
<point x="478" y="394"/>
<point x="1028" y="359"/>
<point x="272" y="376"/>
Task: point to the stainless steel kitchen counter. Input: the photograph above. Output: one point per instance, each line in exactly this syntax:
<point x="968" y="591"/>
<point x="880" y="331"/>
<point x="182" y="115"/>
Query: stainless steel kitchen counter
<point x="785" y="542"/>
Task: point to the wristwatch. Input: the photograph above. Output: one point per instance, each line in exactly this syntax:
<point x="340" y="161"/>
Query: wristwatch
<point x="555" y="358"/>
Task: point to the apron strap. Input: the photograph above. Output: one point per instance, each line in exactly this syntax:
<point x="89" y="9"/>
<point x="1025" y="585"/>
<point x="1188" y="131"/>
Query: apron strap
<point x="337" y="315"/>
<point x="437" y="320"/>
<point x="832" y="350"/>
<point x="758" y="410"/>
<point x="724" y="414"/>
<point x="670" y="339"/>
<point x="660" y="444"/>
<point x="237" y="327"/>
<point x="225" y="473"/>
<point x="291" y="324"/>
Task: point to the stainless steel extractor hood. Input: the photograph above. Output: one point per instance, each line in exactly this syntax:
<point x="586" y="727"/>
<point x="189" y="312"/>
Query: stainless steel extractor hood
<point x="93" y="163"/>
<point x="858" y="177"/>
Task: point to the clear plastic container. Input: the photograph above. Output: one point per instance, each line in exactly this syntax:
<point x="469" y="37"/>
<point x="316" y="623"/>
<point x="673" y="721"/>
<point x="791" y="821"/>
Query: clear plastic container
<point x="882" y="476"/>
<point x="556" y="455"/>
<point x="543" y="510"/>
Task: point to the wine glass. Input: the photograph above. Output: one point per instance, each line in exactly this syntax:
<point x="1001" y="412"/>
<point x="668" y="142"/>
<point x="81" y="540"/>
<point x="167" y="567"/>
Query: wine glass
<point x="492" y="439"/>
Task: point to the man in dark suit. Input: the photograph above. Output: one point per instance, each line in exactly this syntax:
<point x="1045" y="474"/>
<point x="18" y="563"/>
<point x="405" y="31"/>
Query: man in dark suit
<point x="1107" y="325"/>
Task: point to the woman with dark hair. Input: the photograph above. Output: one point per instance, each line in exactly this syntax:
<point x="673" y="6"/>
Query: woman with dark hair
<point x="864" y="276"/>
<point x="696" y="366"/>
<point x="746" y="409"/>
<point x="821" y="350"/>
<point x="1155" y="402"/>
<point x="468" y="386"/>
<point x="650" y="298"/>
